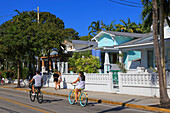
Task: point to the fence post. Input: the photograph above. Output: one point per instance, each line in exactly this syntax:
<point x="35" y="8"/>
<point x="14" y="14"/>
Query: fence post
<point x="120" y="81"/>
<point x="111" y="81"/>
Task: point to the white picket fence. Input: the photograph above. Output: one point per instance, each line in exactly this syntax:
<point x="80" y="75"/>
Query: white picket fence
<point x="94" y="81"/>
<point x="144" y="84"/>
<point x="141" y="84"/>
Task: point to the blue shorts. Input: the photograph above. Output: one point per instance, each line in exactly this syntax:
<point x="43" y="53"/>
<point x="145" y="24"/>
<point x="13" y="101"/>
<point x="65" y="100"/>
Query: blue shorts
<point x="37" y="86"/>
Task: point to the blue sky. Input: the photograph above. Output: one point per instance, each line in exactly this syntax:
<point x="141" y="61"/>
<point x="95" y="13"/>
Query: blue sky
<point x="76" y="14"/>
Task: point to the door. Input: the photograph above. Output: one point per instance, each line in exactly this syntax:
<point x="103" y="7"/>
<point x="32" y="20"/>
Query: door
<point x="168" y="62"/>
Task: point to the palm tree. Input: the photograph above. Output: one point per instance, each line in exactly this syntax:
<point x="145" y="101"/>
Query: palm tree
<point x="110" y="27"/>
<point x="119" y="27"/>
<point x="127" y="26"/>
<point x="138" y="28"/>
<point x="147" y="15"/>
<point x="147" y="11"/>
<point x="164" y="99"/>
<point x="95" y="28"/>
<point x="130" y="27"/>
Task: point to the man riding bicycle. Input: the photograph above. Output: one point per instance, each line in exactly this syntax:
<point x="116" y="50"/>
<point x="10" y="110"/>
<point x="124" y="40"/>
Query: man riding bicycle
<point x="38" y="81"/>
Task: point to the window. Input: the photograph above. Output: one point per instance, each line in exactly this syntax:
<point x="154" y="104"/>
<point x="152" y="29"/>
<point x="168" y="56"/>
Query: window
<point x="150" y="58"/>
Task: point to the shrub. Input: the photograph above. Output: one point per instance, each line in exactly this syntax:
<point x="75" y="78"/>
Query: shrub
<point x="84" y="62"/>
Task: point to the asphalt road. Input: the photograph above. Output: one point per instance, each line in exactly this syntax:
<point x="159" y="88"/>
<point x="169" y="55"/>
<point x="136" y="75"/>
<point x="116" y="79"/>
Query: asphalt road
<point x="14" y="101"/>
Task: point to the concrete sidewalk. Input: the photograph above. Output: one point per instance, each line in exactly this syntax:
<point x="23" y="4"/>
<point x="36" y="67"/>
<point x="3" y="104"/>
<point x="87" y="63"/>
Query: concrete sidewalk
<point x="139" y="102"/>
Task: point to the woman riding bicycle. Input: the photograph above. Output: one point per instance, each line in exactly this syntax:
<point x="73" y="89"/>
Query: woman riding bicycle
<point x="80" y="85"/>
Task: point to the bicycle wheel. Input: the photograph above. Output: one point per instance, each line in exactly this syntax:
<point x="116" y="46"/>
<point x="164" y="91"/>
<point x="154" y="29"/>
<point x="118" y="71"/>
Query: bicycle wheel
<point x="32" y="97"/>
<point x="71" y="97"/>
<point x="83" y="99"/>
<point x="22" y="84"/>
<point x="40" y="97"/>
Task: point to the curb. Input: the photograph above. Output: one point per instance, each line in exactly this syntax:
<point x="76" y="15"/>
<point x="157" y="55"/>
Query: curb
<point x="105" y="101"/>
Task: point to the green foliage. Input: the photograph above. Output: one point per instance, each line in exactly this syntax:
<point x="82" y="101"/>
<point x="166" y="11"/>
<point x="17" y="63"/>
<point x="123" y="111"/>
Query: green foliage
<point x="22" y="38"/>
<point x="122" y="67"/>
<point x="72" y="34"/>
<point x="86" y="38"/>
<point x="7" y="74"/>
<point x="24" y="72"/>
<point x="110" y="27"/>
<point x="146" y="14"/>
<point x="84" y="62"/>
<point x="154" y="70"/>
<point x="95" y="28"/>
<point x="130" y="27"/>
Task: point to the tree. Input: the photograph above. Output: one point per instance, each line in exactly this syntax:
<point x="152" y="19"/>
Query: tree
<point x="14" y="38"/>
<point x="110" y="27"/>
<point x="130" y="27"/>
<point x="164" y="99"/>
<point x="95" y="28"/>
<point x="86" y="38"/>
<point x="52" y="33"/>
<point x="72" y="34"/>
<point x="147" y="12"/>
<point x="147" y="15"/>
<point x="22" y="37"/>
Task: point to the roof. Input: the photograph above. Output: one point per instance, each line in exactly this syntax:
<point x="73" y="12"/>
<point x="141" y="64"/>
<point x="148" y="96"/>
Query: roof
<point x="84" y="42"/>
<point x="125" y="34"/>
<point x="139" y="41"/>
<point x="147" y="42"/>
<point x="136" y="35"/>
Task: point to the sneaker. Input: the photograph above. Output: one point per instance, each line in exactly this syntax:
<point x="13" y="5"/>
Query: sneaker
<point x="33" y="94"/>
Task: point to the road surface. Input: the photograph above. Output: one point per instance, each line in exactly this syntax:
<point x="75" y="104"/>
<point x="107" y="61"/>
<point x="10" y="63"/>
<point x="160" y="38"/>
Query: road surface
<point x="14" y="101"/>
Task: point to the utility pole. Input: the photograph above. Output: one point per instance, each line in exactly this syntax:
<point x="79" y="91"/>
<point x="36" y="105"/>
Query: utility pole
<point x="38" y="17"/>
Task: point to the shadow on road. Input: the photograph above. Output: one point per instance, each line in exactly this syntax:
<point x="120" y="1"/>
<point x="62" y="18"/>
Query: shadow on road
<point x="8" y="110"/>
<point x="119" y="108"/>
<point x="92" y="104"/>
<point x="49" y="101"/>
<point x="113" y="109"/>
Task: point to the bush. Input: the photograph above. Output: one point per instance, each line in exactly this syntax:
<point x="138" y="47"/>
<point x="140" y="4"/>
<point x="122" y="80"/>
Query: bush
<point x="86" y="63"/>
<point x="7" y="74"/>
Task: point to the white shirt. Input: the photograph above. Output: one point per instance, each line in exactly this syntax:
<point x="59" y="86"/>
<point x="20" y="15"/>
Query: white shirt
<point x="37" y="79"/>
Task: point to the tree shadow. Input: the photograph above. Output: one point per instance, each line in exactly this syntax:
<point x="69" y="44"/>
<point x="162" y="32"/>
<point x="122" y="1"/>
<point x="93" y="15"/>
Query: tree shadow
<point x="119" y="108"/>
<point x="50" y="101"/>
<point x="167" y="106"/>
<point x="8" y="110"/>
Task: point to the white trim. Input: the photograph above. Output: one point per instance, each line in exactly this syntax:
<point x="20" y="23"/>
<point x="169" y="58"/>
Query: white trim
<point x="102" y="32"/>
<point x="133" y="45"/>
<point x="111" y="48"/>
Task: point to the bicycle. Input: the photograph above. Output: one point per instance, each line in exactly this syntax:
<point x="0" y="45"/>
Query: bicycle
<point x="38" y="94"/>
<point x="2" y="82"/>
<point x="22" y="83"/>
<point x="82" y="97"/>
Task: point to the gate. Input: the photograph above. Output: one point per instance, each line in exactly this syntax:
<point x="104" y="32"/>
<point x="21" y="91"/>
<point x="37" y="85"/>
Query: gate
<point x="115" y="78"/>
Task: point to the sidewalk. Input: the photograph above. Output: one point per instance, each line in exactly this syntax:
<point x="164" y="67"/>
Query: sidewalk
<point x="139" y="102"/>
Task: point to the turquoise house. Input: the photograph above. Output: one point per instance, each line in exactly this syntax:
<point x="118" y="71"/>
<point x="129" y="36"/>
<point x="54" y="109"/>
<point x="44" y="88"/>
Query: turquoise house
<point x="146" y="47"/>
<point x="108" y="41"/>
